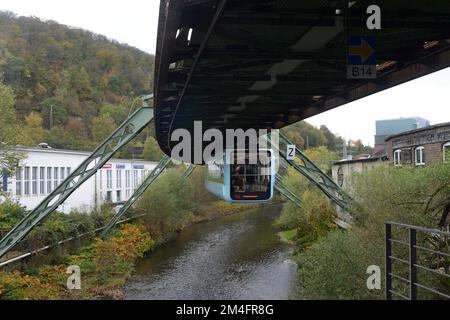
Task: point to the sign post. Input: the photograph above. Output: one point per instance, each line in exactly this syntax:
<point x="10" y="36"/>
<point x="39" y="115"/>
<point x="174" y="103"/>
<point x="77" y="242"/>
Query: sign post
<point x="361" y="60"/>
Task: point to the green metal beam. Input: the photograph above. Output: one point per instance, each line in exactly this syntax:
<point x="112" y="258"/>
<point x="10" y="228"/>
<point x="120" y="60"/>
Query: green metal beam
<point x="124" y="134"/>
<point x="281" y="187"/>
<point x="163" y="163"/>
<point x="189" y="171"/>
<point x="313" y="173"/>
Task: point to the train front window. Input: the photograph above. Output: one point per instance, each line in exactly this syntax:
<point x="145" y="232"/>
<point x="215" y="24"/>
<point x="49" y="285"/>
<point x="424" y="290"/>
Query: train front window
<point x="251" y="181"/>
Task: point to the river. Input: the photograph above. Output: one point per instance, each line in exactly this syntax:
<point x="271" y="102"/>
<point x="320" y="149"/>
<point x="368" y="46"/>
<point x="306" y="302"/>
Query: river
<point x="233" y="257"/>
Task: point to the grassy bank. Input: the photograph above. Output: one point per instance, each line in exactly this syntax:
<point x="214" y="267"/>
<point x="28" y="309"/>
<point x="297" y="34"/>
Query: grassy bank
<point x="332" y="263"/>
<point x="105" y="264"/>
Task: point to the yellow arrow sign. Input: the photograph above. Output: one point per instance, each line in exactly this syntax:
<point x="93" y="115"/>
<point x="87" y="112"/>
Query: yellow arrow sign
<point x="364" y="50"/>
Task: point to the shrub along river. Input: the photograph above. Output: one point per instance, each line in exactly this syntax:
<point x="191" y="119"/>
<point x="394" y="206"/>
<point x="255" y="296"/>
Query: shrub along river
<point x="234" y="257"/>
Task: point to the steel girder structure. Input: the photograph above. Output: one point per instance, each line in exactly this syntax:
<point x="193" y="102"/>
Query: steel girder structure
<point x="129" y="129"/>
<point x="189" y="171"/>
<point x="267" y="64"/>
<point x="314" y="174"/>
<point x="163" y="163"/>
<point x="291" y="196"/>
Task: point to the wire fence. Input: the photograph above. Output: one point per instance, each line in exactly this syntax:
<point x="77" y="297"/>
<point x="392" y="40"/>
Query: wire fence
<point x="417" y="262"/>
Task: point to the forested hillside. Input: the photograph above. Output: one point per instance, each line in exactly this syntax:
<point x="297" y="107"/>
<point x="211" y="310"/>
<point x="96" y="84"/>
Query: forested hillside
<point x="306" y="136"/>
<point x="71" y="86"/>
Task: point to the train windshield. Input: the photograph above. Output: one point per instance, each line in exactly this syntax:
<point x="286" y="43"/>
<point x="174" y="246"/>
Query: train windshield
<point x="250" y="179"/>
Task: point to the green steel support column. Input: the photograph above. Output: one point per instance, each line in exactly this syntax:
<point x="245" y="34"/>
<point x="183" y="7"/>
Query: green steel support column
<point x="163" y="163"/>
<point x="281" y="187"/>
<point x="307" y="168"/>
<point x="189" y="171"/>
<point x="142" y="188"/>
<point x="124" y="134"/>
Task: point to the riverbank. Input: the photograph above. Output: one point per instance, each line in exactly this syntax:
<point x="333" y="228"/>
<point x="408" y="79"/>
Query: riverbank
<point x="105" y="265"/>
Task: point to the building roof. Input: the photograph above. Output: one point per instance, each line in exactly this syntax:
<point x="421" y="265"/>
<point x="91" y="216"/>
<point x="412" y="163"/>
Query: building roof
<point x="73" y="152"/>
<point x="372" y="159"/>
<point x="439" y="125"/>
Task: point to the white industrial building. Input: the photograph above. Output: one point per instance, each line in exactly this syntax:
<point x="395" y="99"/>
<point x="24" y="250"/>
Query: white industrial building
<point x="42" y="170"/>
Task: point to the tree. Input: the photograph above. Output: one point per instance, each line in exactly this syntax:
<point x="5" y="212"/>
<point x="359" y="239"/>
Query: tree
<point x="34" y="128"/>
<point x="384" y="193"/>
<point x="102" y="127"/>
<point x="78" y="138"/>
<point x="152" y="150"/>
<point x="167" y="202"/>
<point x="311" y="136"/>
<point x="9" y="130"/>
<point x="80" y="82"/>
<point x="117" y="112"/>
<point x="54" y="113"/>
<point x="322" y="157"/>
<point x="8" y="116"/>
<point x="331" y="138"/>
<point x="66" y="73"/>
<point x="57" y="137"/>
<point x="296" y="138"/>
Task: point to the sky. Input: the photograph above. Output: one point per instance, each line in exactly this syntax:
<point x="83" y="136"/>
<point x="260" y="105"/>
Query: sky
<point x="135" y="22"/>
<point x="132" y="21"/>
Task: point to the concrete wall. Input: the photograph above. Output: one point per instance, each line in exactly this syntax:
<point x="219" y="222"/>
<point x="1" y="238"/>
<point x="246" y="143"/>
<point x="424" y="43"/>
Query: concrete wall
<point x="349" y="167"/>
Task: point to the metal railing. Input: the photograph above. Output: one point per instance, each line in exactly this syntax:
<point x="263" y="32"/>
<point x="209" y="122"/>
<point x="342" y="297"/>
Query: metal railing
<point x="413" y="264"/>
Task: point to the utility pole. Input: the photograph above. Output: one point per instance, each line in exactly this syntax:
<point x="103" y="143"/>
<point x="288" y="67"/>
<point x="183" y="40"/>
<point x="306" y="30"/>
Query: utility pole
<point x="51" y="117"/>
<point x="344" y="149"/>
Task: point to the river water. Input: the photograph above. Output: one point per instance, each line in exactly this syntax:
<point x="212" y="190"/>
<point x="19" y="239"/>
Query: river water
<point x="234" y="257"/>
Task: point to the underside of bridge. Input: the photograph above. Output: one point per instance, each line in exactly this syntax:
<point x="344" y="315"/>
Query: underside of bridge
<point x="270" y="63"/>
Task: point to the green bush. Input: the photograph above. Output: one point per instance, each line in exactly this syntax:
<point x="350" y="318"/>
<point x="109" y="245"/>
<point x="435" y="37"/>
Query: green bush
<point x="166" y="202"/>
<point x="314" y="219"/>
<point x="334" y="268"/>
<point x="10" y="214"/>
<point x="105" y="266"/>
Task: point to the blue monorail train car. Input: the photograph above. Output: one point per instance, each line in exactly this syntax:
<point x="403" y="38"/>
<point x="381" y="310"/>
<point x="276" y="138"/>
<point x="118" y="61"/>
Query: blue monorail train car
<point x="242" y="176"/>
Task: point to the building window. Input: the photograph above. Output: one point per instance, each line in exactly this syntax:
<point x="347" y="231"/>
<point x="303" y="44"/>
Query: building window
<point x="446" y="152"/>
<point x="62" y="174"/>
<point x="420" y="156"/>
<point x="55" y="177"/>
<point x="49" y="180"/>
<point x="127" y="179"/>
<point x="135" y="179"/>
<point x="27" y="181"/>
<point x="397" y="157"/>
<point x="406" y="156"/>
<point x="108" y="179"/>
<point x="42" y="180"/>
<point x="127" y="193"/>
<point x="19" y="181"/>
<point x="108" y="196"/>
<point x="118" y="196"/>
<point x="101" y="179"/>
<point x="119" y="179"/>
<point x="69" y="170"/>
<point x="34" y="177"/>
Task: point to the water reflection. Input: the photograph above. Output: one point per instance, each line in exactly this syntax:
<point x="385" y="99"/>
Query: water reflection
<point x="235" y="257"/>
